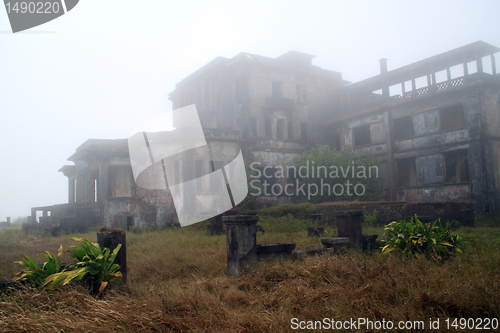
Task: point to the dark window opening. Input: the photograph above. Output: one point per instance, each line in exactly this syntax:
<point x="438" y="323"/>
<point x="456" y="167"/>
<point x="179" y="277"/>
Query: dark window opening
<point x="130" y="222"/>
<point x="362" y="135"/>
<point x="402" y="128"/>
<point x="269" y="132"/>
<point x="406" y="172"/>
<point x="276" y="89"/>
<point x="336" y="144"/>
<point x="304" y="131"/>
<point x="456" y="166"/>
<point x="253" y="127"/>
<point x="269" y="177"/>
<point x="290" y="130"/>
<point x="452" y="117"/>
<point x="280" y="129"/>
<point x="292" y="174"/>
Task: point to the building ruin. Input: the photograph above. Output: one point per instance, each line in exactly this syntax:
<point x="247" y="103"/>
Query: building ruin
<point x="435" y="124"/>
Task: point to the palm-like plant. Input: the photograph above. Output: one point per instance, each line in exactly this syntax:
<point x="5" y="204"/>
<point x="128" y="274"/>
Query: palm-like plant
<point x="90" y="259"/>
<point x="37" y="274"/>
<point x="414" y="238"/>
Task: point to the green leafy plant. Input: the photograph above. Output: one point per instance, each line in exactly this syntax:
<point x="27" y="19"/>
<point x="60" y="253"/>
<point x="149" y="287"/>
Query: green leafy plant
<point x="300" y="211"/>
<point x="414" y="238"/>
<point x="90" y="259"/>
<point x="370" y="219"/>
<point x="37" y="274"/>
<point x="487" y="220"/>
<point x="287" y="224"/>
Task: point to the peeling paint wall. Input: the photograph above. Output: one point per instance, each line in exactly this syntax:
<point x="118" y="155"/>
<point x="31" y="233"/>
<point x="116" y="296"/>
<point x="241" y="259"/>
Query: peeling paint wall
<point x="433" y="140"/>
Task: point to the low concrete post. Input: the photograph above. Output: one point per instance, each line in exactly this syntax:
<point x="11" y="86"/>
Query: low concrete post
<point x="241" y="242"/>
<point x="349" y="225"/>
<point x="216" y="227"/>
<point x="111" y="239"/>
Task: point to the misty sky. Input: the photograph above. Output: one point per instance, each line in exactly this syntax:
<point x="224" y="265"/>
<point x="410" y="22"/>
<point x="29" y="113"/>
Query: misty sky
<point x="107" y="66"/>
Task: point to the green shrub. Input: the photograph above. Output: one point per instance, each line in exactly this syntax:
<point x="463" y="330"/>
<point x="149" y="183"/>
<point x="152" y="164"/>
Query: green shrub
<point x="297" y="210"/>
<point x="370" y="219"/>
<point x="414" y="238"/>
<point x="286" y="224"/>
<point x="94" y="228"/>
<point x="487" y="220"/>
<point x="90" y="259"/>
<point x="37" y="274"/>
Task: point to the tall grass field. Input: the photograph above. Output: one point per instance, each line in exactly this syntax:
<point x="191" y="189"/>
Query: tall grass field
<point x="177" y="282"/>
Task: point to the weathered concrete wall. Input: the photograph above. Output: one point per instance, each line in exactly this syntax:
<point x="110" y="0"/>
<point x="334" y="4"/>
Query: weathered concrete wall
<point x="430" y="143"/>
<point x="387" y="212"/>
<point x="452" y="193"/>
<point x="494" y="184"/>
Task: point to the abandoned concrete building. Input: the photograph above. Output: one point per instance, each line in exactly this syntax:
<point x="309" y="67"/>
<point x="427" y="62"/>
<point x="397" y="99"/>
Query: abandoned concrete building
<point x="435" y="124"/>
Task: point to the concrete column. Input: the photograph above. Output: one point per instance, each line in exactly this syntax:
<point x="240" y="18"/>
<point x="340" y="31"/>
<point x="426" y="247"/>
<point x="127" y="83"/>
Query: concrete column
<point x="391" y="184"/>
<point x="111" y="239"/>
<point x="479" y="63"/>
<point x="71" y="190"/>
<point x="383" y="74"/>
<point x="493" y="65"/>
<point x="241" y="242"/>
<point x="349" y="225"/>
<point x="216" y="227"/>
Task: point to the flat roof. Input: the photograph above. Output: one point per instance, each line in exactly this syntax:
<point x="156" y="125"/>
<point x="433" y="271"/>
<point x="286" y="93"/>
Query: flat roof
<point x="463" y="54"/>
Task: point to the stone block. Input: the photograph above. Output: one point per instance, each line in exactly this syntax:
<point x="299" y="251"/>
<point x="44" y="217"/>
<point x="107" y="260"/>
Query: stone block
<point x="241" y="242"/>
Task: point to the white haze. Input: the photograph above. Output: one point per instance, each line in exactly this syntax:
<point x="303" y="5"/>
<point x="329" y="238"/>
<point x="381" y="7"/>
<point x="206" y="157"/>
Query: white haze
<point x="108" y="65"/>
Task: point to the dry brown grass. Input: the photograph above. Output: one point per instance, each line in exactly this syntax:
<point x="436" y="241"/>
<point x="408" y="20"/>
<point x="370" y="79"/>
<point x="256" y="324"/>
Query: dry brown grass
<point x="177" y="283"/>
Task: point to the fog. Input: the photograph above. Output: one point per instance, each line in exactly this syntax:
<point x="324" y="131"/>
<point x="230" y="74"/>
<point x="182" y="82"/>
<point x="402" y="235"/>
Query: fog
<point x="105" y="67"/>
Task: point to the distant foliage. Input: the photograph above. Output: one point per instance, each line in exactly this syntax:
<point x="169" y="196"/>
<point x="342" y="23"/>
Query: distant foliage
<point x="20" y="220"/>
<point x="414" y="238"/>
<point x="297" y="210"/>
<point x="286" y="224"/>
<point x="487" y="220"/>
